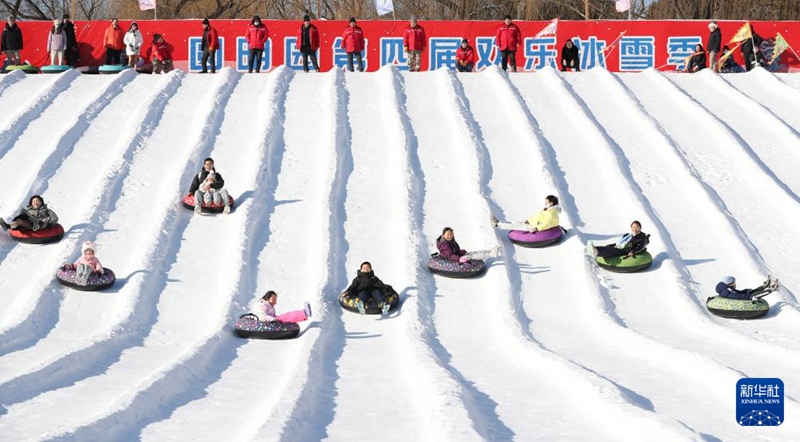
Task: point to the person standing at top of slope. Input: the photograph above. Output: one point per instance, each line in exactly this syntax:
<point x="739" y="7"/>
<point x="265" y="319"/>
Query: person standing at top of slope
<point x="413" y="44"/>
<point x="727" y="289"/>
<point x="34" y="217"/>
<point x="256" y="36"/>
<point x="630" y="244"/>
<point x="209" y="47"/>
<point x="308" y="43"/>
<point x="114" y="42"/>
<point x="751" y="50"/>
<point x="133" y="44"/>
<point x="365" y="286"/>
<point x="507" y="38"/>
<point x="56" y="43"/>
<point x="11" y="41"/>
<point x="450" y="250"/>
<point x="264" y="308"/>
<point x="71" y="53"/>
<point x="713" y="45"/>
<point x="546" y="219"/>
<point x="194" y="189"/>
<point x="353" y="44"/>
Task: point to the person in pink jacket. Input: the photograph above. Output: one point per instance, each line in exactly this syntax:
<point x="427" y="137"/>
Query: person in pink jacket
<point x="414" y="44"/>
<point x="353" y="44"/>
<point x="264" y="308"/>
<point x="86" y="264"/>
<point x="507" y="38"/>
<point x="256" y="39"/>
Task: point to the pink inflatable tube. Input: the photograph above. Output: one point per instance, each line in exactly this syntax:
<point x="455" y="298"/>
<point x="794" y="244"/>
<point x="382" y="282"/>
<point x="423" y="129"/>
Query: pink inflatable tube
<point x="543" y="238"/>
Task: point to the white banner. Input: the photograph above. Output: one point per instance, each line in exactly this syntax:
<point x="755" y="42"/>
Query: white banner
<point x="383" y="6"/>
<point x="146" y="5"/>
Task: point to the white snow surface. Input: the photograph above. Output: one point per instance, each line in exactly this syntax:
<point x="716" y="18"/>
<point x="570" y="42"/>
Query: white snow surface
<point x="329" y="170"/>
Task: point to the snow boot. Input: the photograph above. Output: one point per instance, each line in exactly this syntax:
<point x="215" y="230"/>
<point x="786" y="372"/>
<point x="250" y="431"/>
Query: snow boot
<point x="197" y="209"/>
<point x="385" y="308"/>
<point x="360" y="306"/>
<point x="226" y="210"/>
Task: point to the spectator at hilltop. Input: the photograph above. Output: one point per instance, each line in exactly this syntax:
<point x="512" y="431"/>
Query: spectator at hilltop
<point x="209" y="46"/>
<point x="697" y="61"/>
<point x="114" y="42"/>
<point x="353" y="44"/>
<point x="11" y="41"/>
<point x="713" y="45"/>
<point x="71" y="53"/>
<point x="133" y="44"/>
<point x="161" y="55"/>
<point x="308" y="43"/>
<point x="413" y="44"/>
<point x="507" y="38"/>
<point x="751" y="50"/>
<point x="465" y="57"/>
<point x="256" y="39"/>
<point x="570" y="57"/>
<point x="56" y="43"/>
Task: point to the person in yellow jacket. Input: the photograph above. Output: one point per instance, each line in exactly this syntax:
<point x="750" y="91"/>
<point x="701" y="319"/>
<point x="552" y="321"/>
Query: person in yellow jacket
<point x="546" y="219"/>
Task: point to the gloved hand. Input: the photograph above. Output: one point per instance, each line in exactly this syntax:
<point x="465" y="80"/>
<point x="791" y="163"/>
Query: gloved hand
<point x="464" y="259"/>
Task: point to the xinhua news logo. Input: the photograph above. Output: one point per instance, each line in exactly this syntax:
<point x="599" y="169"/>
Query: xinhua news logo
<point x="759" y="402"/>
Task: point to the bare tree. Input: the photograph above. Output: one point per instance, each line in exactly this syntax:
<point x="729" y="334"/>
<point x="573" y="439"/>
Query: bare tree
<point x="725" y="9"/>
<point x="50" y="9"/>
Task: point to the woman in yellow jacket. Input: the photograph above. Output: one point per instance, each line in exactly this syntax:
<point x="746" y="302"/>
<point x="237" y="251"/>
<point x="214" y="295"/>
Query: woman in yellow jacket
<point x="544" y="220"/>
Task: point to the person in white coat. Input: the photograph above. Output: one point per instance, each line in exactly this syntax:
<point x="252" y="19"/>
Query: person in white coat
<point x="133" y="44"/>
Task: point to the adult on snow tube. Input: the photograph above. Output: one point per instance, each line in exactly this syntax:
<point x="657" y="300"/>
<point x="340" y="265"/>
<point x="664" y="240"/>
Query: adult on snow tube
<point x="33" y="223"/>
<point x="42" y="236"/>
<point x="209" y="184"/>
<point x="740" y="304"/>
<point x="248" y="326"/>
<point x="188" y="202"/>
<point x="444" y="267"/>
<point x="540" y="230"/>
<point x="55" y="69"/>
<point x="629" y="254"/>
<point x="27" y="68"/>
<point x="112" y="68"/>
<point x="540" y="238"/>
<point x="66" y="276"/>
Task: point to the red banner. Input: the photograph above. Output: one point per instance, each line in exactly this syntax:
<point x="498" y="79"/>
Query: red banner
<point x="620" y="46"/>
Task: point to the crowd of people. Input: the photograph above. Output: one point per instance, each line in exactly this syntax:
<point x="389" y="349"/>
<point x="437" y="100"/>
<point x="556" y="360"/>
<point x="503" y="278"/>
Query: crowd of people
<point x="127" y="47"/>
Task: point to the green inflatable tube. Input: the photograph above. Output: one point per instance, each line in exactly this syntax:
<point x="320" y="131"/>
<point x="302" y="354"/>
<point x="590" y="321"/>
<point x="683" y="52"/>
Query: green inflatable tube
<point x="27" y="68"/>
<point x="626" y="264"/>
<point x="737" y="308"/>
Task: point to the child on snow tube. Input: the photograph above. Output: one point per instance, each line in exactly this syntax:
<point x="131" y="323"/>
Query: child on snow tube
<point x="630" y="244"/>
<point x="213" y="192"/>
<point x="365" y="286"/>
<point x="727" y="289"/>
<point x="451" y="251"/>
<point x="86" y="264"/>
<point x="34" y="217"/>
<point x="264" y="309"/>
<point x="546" y="219"/>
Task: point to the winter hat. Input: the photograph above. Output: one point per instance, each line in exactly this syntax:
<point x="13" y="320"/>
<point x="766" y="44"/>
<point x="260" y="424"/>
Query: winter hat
<point x="205" y="21"/>
<point x="88" y="245"/>
<point x="464" y="40"/>
<point x="713" y="24"/>
<point x="352" y="19"/>
<point x="66" y="15"/>
<point x="212" y="175"/>
<point x="507" y="17"/>
<point x="306" y="18"/>
<point x="156" y="37"/>
<point x="729" y="280"/>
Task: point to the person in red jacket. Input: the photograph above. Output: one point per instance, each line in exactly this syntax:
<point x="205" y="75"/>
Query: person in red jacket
<point x="209" y="46"/>
<point x="414" y="44"/>
<point x="161" y="54"/>
<point x="507" y="39"/>
<point x="308" y="42"/>
<point x="353" y="44"/>
<point x="256" y="39"/>
<point x="465" y="57"/>
<point x="113" y="42"/>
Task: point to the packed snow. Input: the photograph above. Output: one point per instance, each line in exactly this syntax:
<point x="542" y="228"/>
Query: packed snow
<point x="329" y="170"/>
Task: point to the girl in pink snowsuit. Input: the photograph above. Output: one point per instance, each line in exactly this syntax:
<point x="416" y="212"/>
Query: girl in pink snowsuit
<point x="264" y="308"/>
<point x="87" y="263"/>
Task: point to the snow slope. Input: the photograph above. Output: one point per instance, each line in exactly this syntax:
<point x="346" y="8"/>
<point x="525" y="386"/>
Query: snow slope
<point x="329" y="170"/>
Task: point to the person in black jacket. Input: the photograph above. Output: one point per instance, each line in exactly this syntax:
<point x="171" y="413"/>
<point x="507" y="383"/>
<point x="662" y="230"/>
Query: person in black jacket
<point x="11" y="42"/>
<point x="366" y="285"/>
<point x="727" y="289"/>
<point x="729" y="66"/>
<point x="71" y="53"/>
<point x="570" y="57"/>
<point x="630" y="244"/>
<point x="219" y="183"/>
<point x="697" y="61"/>
<point x="713" y="45"/>
<point x="751" y="50"/>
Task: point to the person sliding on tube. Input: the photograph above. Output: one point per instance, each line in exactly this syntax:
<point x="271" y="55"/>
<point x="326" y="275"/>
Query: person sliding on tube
<point x="264" y="308"/>
<point x="366" y="285"/>
<point x="630" y="244"/>
<point x="34" y="217"/>
<point x="218" y="195"/>
<point x="546" y="219"/>
<point x="86" y="264"/>
<point x="727" y="289"/>
<point x="450" y="250"/>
